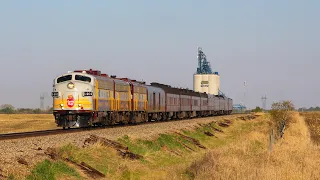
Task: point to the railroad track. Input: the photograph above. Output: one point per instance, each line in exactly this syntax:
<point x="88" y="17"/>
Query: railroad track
<point x="36" y="133"/>
<point x="19" y="135"/>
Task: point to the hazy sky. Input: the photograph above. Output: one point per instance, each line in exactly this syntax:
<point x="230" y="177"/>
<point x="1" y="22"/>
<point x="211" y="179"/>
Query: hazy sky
<point x="273" y="45"/>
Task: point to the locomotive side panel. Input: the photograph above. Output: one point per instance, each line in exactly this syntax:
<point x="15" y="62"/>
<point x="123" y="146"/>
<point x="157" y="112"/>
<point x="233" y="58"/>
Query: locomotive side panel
<point x="221" y="104"/>
<point x="105" y="94"/>
<point x="172" y="102"/>
<point x="122" y="96"/>
<point x="185" y="103"/>
<point x="156" y="99"/>
<point x="195" y="103"/>
<point x="139" y="97"/>
<point x="203" y="102"/>
<point x="226" y="104"/>
<point x="230" y="105"/>
<point x="216" y="101"/>
<point x="211" y="102"/>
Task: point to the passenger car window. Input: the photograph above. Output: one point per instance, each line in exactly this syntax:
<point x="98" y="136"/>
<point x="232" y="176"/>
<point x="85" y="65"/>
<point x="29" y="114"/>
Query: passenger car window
<point x="83" y="78"/>
<point x="64" y="78"/>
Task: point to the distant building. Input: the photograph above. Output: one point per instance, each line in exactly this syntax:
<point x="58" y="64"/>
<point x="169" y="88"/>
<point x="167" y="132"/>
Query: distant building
<point x="237" y="108"/>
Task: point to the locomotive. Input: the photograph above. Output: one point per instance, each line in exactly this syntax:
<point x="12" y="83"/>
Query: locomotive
<point x="84" y="98"/>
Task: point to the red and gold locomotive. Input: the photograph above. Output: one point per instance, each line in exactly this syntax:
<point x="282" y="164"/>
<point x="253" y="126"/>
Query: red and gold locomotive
<point x="84" y="98"/>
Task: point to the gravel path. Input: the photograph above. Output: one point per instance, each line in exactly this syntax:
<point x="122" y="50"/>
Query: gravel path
<point x="32" y="149"/>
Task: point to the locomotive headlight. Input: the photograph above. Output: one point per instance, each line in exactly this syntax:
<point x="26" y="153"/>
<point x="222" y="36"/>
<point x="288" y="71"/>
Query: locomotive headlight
<point x="61" y="105"/>
<point x="79" y="105"/>
<point x="55" y="94"/>
<point x="70" y="85"/>
<point x="87" y="93"/>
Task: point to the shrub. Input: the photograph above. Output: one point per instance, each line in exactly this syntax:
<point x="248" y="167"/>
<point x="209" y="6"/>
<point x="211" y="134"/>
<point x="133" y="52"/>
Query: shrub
<point x="257" y="109"/>
<point x="281" y="114"/>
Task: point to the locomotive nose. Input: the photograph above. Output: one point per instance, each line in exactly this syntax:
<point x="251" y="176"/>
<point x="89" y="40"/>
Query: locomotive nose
<point x="71" y="98"/>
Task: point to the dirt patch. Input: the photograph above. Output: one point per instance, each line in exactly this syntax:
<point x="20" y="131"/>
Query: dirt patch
<point x="128" y="154"/>
<point x="52" y="153"/>
<point x="1" y="175"/>
<point x="225" y="123"/>
<point x="218" y="130"/>
<point x="122" y="150"/>
<point x="106" y="142"/>
<point x="208" y="133"/>
<point x="192" y="140"/>
<point x="88" y="170"/>
<point x="22" y="161"/>
<point x="249" y="117"/>
<point x="186" y="146"/>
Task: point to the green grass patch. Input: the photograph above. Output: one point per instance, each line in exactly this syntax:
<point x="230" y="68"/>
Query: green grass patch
<point x="143" y="147"/>
<point x="51" y="170"/>
<point x="140" y="147"/>
<point x="170" y="141"/>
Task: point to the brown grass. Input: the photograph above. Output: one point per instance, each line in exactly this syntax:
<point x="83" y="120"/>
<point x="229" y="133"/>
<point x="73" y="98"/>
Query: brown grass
<point x="10" y="123"/>
<point x="313" y="121"/>
<point x="293" y="157"/>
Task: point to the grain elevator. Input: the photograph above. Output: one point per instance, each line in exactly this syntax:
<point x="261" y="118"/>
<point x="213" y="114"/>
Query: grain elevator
<point x="205" y="80"/>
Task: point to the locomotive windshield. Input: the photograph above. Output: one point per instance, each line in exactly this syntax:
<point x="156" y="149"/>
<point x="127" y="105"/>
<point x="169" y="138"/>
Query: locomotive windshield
<point x="83" y="78"/>
<point x="64" y="78"/>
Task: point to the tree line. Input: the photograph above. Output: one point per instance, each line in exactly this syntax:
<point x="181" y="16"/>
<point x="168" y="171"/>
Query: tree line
<point x="259" y="109"/>
<point x="9" y="109"/>
<point x="309" y="109"/>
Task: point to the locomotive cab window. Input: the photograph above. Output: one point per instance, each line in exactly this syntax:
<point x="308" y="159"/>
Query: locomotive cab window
<point x="82" y="78"/>
<point x="64" y="78"/>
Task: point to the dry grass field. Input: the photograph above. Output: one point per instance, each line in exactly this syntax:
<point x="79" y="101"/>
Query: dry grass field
<point x="293" y="157"/>
<point x="10" y="123"/>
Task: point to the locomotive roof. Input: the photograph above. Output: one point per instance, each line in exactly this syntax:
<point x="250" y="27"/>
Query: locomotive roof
<point x="78" y="73"/>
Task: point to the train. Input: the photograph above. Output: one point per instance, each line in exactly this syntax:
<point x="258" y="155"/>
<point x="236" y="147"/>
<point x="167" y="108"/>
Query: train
<point x="85" y="98"/>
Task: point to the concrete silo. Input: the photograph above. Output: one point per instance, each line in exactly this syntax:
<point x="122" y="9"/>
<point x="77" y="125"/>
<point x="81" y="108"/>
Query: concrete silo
<point x="204" y="80"/>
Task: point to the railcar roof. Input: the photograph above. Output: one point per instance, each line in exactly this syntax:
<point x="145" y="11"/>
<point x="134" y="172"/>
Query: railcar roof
<point x="172" y="90"/>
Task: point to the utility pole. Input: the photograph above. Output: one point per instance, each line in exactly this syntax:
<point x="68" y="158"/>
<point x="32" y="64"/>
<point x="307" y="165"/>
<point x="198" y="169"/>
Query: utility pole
<point x="264" y="102"/>
<point x="42" y="100"/>
<point x="244" y="93"/>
